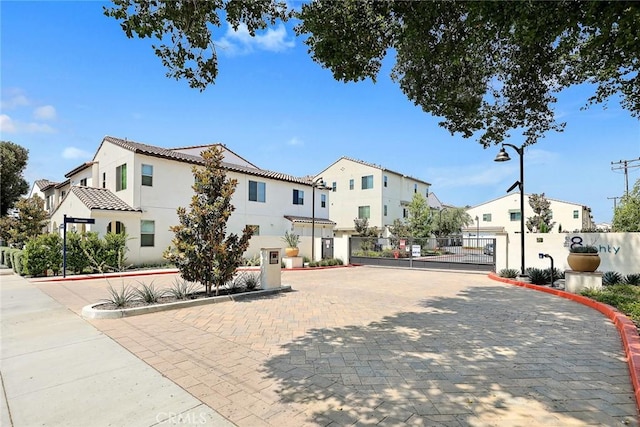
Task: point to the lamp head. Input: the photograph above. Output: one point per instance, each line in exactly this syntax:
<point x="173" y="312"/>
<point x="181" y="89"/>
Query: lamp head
<point x="502" y="156"/>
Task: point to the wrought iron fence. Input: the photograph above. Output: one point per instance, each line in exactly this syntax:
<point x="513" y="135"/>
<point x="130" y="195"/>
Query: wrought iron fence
<point x="454" y="252"/>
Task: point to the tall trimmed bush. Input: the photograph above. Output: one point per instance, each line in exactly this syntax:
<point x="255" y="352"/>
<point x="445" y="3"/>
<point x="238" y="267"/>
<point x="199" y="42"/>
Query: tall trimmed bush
<point x="17" y="262"/>
<point x="77" y="261"/>
<point x="43" y="253"/>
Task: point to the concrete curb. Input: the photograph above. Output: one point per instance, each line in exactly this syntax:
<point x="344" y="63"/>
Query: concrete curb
<point x="89" y="312"/>
<point x="626" y="328"/>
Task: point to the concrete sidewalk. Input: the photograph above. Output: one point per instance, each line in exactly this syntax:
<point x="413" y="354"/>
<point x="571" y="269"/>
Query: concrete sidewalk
<point x="57" y="369"/>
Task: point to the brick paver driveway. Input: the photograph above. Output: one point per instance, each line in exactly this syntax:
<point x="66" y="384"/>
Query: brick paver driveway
<point x="386" y="346"/>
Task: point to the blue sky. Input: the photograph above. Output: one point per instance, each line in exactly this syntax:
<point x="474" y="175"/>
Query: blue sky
<point x="70" y="76"/>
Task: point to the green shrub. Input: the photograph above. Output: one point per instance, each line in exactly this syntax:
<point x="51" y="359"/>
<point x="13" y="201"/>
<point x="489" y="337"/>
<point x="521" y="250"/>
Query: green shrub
<point x="251" y="281"/>
<point x="631" y="309"/>
<point x="77" y="261"/>
<point x="7" y="257"/>
<point x="149" y="293"/>
<point x="510" y="273"/>
<point x="17" y="262"/>
<point x="122" y="297"/>
<point x="114" y="251"/>
<point x="632" y="279"/>
<point x="43" y="253"/>
<point x="611" y="278"/>
<point x="93" y="249"/>
<point x="537" y="276"/>
<point x="182" y="289"/>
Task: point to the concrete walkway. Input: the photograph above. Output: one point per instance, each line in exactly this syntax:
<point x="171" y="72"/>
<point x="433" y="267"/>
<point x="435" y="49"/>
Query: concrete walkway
<point x="376" y="346"/>
<point x="58" y="370"/>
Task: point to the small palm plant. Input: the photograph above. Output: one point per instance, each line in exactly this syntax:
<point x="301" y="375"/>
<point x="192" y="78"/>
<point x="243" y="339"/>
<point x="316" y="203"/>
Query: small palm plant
<point x="291" y="239"/>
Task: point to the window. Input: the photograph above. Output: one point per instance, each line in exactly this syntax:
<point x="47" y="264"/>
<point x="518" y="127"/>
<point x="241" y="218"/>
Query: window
<point x="367" y="182"/>
<point x="255" y="228"/>
<point x="147" y="175"/>
<point x="104" y="180"/>
<point x="334" y="186"/>
<point x="415" y="188"/>
<point x="147" y="233"/>
<point x="514" y="215"/>
<point x="385" y="210"/>
<point x="405" y="213"/>
<point x="62" y="194"/>
<point x="298" y="197"/>
<point x="351" y="184"/>
<point x="364" y="212"/>
<point x="575" y="214"/>
<point x="486" y="217"/>
<point x="323" y="200"/>
<point x="257" y="191"/>
<point x="385" y="179"/>
<point x="83" y="182"/>
<point x="48" y="204"/>
<point x="121" y="177"/>
<point x="115" y="227"/>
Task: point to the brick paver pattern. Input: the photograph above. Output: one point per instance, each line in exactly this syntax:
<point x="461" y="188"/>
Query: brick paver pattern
<point x="370" y="346"/>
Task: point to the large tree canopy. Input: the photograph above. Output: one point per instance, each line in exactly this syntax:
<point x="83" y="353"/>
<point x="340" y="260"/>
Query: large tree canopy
<point x="13" y="160"/>
<point x="184" y="29"/>
<point x="485" y="67"/>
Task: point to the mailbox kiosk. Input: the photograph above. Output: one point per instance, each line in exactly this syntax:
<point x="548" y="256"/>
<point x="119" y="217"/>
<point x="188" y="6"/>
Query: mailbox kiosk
<point x="270" y="271"/>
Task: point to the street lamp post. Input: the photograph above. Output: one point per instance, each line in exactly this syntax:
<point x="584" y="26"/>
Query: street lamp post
<point x="318" y="182"/>
<point x="503" y="156"/>
<point x="477" y="231"/>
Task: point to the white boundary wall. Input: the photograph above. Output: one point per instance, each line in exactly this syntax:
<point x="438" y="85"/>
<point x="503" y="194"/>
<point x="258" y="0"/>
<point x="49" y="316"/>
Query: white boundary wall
<point x="618" y="251"/>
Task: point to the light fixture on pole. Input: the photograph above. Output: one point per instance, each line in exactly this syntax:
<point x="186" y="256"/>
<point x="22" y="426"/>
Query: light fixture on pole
<point x="318" y="182"/>
<point x="503" y="156"/>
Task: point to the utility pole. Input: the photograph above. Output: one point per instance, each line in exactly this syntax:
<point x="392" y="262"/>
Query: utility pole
<point x="615" y="199"/>
<point x="626" y="165"/>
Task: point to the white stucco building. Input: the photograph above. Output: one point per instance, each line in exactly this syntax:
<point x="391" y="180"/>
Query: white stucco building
<point x="365" y="190"/>
<point x="136" y="188"/>
<point x="502" y="215"/>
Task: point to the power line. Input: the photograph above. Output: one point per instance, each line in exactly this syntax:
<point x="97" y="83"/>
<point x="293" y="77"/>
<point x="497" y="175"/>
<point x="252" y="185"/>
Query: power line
<point x="625" y="165"/>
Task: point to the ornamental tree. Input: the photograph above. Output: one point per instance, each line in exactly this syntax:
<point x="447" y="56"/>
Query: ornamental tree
<point x="626" y="217"/>
<point x="202" y="250"/>
<point x="541" y="222"/>
<point x="13" y="160"/>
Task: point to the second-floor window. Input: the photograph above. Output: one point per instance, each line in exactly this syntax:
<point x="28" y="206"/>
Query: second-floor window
<point x="255" y="228"/>
<point x="351" y="184"/>
<point x="575" y="214"/>
<point x="334" y="186"/>
<point x="486" y="217"/>
<point x="385" y="210"/>
<point x="83" y="182"/>
<point x="514" y="215"/>
<point x="104" y="180"/>
<point x="298" y="197"/>
<point x="121" y="177"/>
<point x="147" y="175"/>
<point x="323" y="200"/>
<point x="415" y="188"/>
<point x="257" y="191"/>
<point x="385" y="180"/>
<point x="364" y="212"/>
<point x="367" y="182"/>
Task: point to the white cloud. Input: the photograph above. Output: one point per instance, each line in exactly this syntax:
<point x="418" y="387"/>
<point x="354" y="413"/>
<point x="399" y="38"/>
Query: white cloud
<point x="295" y="141"/>
<point x="75" y="153"/>
<point x="33" y="127"/>
<point x="14" y="98"/>
<point x="6" y="124"/>
<point x="239" y="42"/>
<point x="46" y="112"/>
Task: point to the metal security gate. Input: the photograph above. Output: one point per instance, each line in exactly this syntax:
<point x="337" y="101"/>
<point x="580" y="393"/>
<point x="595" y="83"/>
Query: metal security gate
<point x="327" y="247"/>
<point x="453" y="252"/>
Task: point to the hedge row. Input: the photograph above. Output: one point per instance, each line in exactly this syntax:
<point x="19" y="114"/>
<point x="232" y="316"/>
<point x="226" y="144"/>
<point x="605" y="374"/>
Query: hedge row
<point x="13" y="258"/>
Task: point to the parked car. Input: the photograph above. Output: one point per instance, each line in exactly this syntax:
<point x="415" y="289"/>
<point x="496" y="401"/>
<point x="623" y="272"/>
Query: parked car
<point x="488" y="249"/>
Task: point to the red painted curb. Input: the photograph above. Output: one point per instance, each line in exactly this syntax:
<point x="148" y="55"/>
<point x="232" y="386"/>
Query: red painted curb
<point x="626" y="328"/>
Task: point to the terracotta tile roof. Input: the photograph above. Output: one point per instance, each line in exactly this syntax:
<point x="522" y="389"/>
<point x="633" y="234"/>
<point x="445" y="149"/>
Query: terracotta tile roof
<point x="151" y="150"/>
<point x="382" y="168"/>
<point x="78" y="169"/>
<point x="100" y="198"/>
<point x="309" y="220"/>
<point x="44" y="183"/>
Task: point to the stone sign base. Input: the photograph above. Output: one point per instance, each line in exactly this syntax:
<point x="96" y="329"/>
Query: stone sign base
<point x="575" y="281"/>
